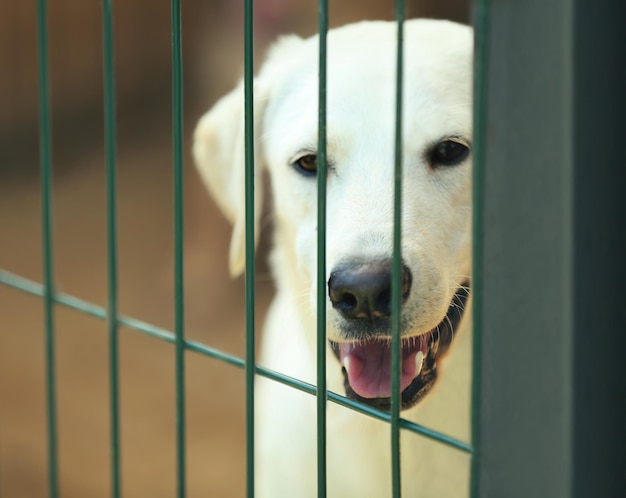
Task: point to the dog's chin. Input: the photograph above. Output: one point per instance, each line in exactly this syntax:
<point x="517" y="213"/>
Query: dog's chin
<point x="428" y="347"/>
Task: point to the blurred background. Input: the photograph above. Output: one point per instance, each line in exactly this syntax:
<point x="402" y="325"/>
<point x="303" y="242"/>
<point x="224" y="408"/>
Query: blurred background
<point x="213" y="61"/>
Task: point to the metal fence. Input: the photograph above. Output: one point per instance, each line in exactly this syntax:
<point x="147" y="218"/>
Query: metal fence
<point x="548" y="415"/>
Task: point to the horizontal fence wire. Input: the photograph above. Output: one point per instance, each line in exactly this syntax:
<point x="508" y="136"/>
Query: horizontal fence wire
<point x="36" y="289"/>
<point x="321" y="253"/>
<point x="47" y="289"/>
<point x="111" y="206"/>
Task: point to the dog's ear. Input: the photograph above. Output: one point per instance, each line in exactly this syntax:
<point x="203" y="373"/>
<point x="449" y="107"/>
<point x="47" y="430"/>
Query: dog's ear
<point x="220" y="156"/>
<point x="219" y="152"/>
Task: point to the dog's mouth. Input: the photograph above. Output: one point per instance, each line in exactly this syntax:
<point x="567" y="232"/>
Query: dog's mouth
<point x="366" y="365"/>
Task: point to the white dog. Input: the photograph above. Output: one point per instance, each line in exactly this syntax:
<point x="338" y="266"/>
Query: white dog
<point x="436" y="250"/>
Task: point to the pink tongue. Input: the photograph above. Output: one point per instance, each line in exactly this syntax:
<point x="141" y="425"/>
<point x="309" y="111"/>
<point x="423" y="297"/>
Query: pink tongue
<point x="369" y="365"/>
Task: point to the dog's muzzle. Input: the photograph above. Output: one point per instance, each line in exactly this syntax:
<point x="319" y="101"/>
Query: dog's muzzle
<point x="361" y="293"/>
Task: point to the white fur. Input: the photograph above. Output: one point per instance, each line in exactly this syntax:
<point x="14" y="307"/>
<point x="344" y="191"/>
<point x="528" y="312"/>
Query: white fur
<point x="436" y="240"/>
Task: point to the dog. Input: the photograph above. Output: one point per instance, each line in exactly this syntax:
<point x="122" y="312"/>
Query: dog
<point x="436" y="251"/>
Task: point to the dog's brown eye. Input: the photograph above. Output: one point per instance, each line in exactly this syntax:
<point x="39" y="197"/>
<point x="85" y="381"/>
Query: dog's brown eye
<point x="307" y="165"/>
<point x="448" y="153"/>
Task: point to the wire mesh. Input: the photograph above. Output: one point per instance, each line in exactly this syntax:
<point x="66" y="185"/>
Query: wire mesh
<point x="72" y="302"/>
<point x="110" y="313"/>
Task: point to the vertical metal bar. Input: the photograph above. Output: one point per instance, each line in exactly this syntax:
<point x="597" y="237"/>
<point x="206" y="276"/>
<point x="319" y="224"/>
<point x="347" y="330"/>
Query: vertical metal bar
<point x="111" y="194"/>
<point x="321" y="255"/>
<point x="396" y="293"/>
<point x="481" y="35"/>
<point x="45" y="158"/>
<point x="250" y="232"/>
<point x="177" y="132"/>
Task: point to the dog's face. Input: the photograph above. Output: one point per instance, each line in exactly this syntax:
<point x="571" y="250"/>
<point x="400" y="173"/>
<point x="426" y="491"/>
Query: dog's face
<point x="436" y="194"/>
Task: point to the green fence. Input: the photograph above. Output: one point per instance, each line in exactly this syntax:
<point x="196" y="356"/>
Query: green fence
<point x="522" y="425"/>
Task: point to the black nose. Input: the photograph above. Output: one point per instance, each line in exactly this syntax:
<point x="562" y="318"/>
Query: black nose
<point x="363" y="290"/>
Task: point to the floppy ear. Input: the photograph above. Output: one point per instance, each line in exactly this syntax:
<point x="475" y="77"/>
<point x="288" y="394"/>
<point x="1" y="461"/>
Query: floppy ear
<point x="220" y="157"/>
<point x="219" y="152"/>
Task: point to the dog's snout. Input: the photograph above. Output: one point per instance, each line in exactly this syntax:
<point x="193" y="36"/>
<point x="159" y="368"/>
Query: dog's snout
<point x="363" y="291"/>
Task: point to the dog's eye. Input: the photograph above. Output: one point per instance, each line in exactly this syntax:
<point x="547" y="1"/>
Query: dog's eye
<point x="448" y="152"/>
<point x="307" y="165"/>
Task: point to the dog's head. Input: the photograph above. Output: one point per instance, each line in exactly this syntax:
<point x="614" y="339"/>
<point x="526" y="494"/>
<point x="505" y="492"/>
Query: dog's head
<point x="436" y="198"/>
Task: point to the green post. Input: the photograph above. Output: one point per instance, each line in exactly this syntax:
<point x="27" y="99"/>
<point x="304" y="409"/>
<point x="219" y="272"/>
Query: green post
<point x="549" y="271"/>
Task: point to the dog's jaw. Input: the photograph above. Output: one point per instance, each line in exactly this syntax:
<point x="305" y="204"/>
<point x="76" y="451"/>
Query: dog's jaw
<point x="429" y="348"/>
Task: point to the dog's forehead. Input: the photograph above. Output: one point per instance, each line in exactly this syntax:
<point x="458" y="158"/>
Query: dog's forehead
<point x="361" y="80"/>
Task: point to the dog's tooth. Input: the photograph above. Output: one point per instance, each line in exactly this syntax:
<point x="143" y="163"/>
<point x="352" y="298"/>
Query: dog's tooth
<point x="419" y="360"/>
<point x="346" y="363"/>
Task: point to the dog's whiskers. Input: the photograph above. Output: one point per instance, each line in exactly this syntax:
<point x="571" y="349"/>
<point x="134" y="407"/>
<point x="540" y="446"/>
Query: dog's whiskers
<point x="447" y="318"/>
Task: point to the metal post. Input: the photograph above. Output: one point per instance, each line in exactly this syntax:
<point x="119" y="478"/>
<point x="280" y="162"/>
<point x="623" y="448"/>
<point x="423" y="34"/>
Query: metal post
<point x="551" y="292"/>
<point x="599" y="297"/>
